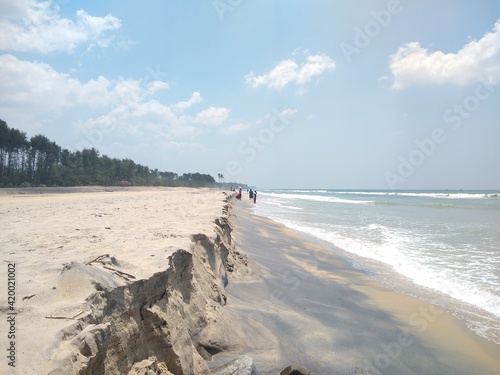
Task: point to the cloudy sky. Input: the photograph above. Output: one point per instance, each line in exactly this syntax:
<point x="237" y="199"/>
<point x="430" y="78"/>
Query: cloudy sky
<point x="280" y="94"/>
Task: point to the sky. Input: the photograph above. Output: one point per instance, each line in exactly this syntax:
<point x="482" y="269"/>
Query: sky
<point x="364" y="94"/>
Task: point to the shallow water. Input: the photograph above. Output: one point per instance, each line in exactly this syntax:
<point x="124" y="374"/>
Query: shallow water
<point x="443" y="246"/>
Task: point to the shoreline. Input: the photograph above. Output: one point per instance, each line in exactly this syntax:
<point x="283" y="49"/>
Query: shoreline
<point x="412" y="335"/>
<point x="399" y="283"/>
<point x="188" y="279"/>
<point x="420" y="243"/>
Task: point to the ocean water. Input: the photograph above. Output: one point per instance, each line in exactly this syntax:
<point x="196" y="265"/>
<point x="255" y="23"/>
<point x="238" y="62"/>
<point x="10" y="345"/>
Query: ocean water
<point x="441" y="246"/>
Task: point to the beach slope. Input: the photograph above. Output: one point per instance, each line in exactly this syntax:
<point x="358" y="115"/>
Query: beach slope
<point x="316" y="310"/>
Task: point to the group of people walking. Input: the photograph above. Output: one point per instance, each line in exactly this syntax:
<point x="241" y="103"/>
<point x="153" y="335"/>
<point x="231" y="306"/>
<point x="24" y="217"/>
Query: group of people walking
<point x="252" y="194"/>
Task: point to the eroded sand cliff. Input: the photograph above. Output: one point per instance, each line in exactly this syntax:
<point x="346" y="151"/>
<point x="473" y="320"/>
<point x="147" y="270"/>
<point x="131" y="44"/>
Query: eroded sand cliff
<point x="120" y="299"/>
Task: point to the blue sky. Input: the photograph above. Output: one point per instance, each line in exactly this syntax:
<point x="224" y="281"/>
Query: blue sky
<point x="279" y="94"/>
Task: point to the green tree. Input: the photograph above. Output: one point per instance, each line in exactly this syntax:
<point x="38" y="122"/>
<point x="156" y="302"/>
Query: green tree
<point x="90" y="164"/>
<point x="16" y="146"/>
<point x="42" y="162"/>
<point x="44" y="156"/>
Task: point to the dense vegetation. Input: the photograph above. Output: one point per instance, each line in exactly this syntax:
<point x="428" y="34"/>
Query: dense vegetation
<point x="40" y="162"/>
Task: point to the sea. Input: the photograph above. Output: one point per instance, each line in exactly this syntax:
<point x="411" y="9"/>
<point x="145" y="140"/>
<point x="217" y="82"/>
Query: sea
<point x="440" y="246"/>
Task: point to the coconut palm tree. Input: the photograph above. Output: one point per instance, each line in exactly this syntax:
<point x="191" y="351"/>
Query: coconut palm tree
<point x="221" y="177"/>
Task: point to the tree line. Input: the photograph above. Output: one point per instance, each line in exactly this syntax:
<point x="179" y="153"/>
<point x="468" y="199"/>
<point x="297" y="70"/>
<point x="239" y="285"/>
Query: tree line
<point x="39" y="162"/>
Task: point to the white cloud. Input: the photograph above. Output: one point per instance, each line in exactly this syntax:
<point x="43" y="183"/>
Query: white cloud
<point x="195" y="99"/>
<point x="212" y="116"/>
<point x="314" y="66"/>
<point x="155" y="86"/>
<point x="107" y="110"/>
<point x="35" y="26"/>
<point x="235" y="128"/>
<point x="414" y="65"/>
<point x="288" y="112"/>
<point x="137" y="118"/>
<point x="289" y="71"/>
<point x="284" y="73"/>
<point x="145" y="117"/>
<point x="38" y="83"/>
<point x="120" y="107"/>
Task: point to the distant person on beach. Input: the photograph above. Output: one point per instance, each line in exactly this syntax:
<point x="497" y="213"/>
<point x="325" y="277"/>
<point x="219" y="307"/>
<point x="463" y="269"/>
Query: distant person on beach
<point x="250" y="193"/>
<point x="238" y="196"/>
<point x="254" y="196"/>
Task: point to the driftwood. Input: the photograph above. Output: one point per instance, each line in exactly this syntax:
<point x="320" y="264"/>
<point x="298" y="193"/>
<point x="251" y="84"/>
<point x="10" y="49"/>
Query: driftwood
<point x="64" y="317"/>
<point x="120" y="272"/>
<point x="97" y="259"/>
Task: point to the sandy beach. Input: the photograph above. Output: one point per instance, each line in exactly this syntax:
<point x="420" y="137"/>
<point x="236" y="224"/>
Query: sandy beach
<point x="68" y="243"/>
<point x="173" y="280"/>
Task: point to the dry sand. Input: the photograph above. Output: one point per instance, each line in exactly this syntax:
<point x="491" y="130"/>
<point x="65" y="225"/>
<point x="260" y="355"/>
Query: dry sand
<point x="290" y="300"/>
<point x="51" y="234"/>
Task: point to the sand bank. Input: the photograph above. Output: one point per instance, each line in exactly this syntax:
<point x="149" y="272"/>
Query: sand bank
<point x="313" y="309"/>
<point x="112" y="280"/>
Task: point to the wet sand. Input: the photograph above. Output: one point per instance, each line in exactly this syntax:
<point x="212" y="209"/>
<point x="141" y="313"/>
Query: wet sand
<point x="313" y="309"/>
